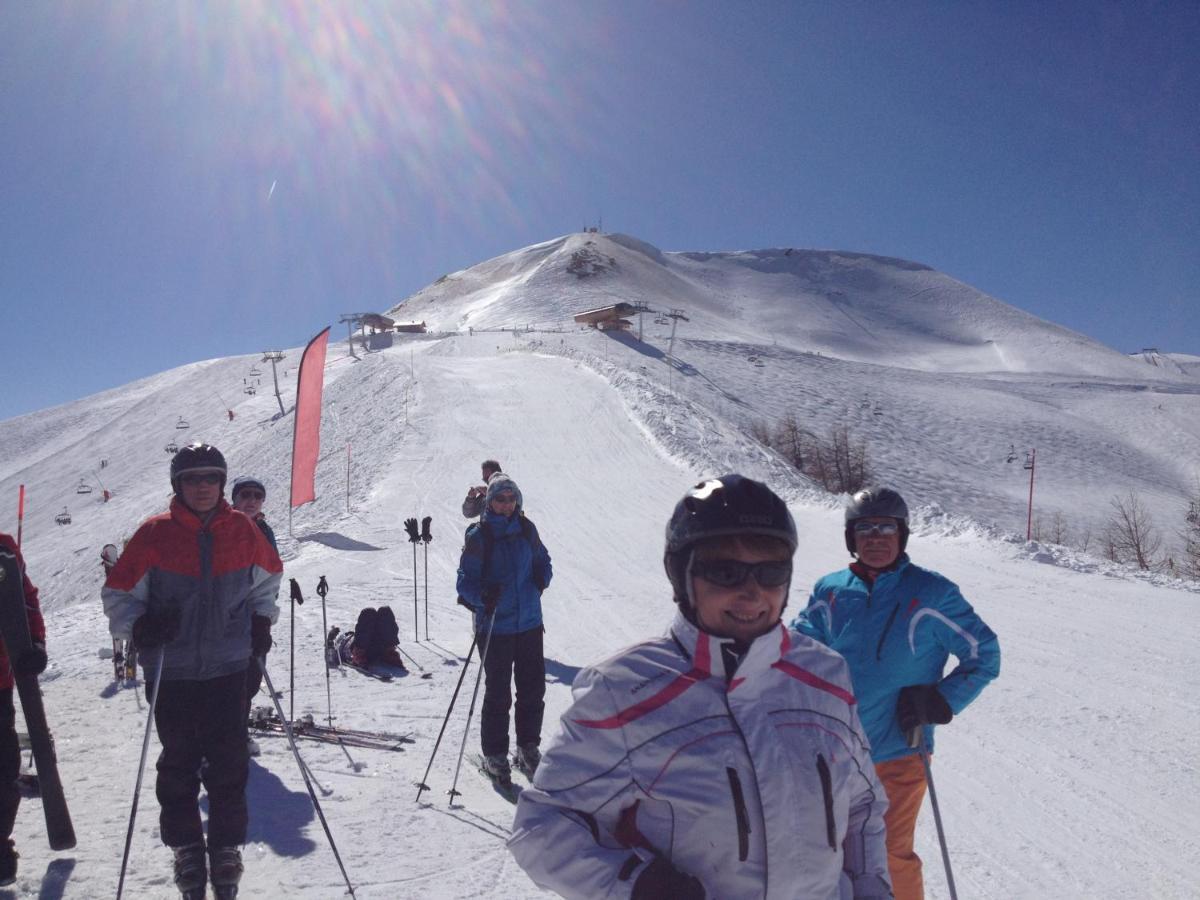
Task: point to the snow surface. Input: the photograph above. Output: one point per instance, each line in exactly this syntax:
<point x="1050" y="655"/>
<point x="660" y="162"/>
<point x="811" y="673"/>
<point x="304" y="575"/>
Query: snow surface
<point x="1074" y="775"/>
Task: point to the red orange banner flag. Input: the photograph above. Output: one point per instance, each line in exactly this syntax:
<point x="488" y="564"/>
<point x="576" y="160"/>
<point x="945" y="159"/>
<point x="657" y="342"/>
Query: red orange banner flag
<point x="306" y="441"/>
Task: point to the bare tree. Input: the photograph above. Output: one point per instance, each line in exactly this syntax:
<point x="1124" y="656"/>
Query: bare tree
<point x="792" y="441"/>
<point x="761" y="432"/>
<point x="1132" y="534"/>
<point x="1057" y="531"/>
<point x="1189" y="564"/>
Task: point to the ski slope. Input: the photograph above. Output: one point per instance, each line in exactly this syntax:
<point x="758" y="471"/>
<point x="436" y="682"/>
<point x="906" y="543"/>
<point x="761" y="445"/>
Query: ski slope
<point x="1071" y="776"/>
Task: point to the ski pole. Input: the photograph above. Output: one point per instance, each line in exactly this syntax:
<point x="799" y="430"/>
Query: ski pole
<point x="322" y="590"/>
<point x="420" y="667"/>
<point x="421" y="785"/>
<point x="297" y="598"/>
<point x="487" y="642"/>
<point x="426" y="537"/>
<point x="287" y="728"/>
<point x="137" y="787"/>
<point x="916" y="738"/>
<point x="416" y="630"/>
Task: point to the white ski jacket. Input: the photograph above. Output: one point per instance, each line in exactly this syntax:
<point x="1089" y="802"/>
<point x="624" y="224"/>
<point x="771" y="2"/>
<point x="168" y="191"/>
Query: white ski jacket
<point x="760" y="786"/>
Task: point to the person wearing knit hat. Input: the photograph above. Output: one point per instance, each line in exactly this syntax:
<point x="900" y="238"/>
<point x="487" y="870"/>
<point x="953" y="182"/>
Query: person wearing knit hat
<point x="502" y="573"/>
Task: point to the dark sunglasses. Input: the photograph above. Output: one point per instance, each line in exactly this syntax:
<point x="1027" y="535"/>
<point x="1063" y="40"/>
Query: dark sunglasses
<point x="250" y="495"/>
<point x="201" y="478"/>
<point x="865" y="529"/>
<point x="733" y="572"/>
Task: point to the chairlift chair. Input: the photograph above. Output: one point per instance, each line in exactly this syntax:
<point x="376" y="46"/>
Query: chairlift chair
<point x="182" y="423"/>
<point x="63" y="518"/>
<point x="172" y="447"/>
<point x="1028" y="461"/>
<point x="249" y="389"/>
<point x="1012" y="454"/>
<point x="254" y="372"/>
<point x="83" y="487"/>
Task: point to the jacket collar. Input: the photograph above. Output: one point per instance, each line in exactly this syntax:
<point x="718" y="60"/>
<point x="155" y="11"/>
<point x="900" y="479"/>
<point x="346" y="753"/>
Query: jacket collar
<point x="183" y="515"/>
<point x="872" y="576"/>
<point x="710" y="659"/>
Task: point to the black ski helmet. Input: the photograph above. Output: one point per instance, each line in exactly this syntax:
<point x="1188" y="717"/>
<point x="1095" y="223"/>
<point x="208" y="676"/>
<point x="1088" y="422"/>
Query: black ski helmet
<point x="875" y="502"/>
<point x="197" y="457"/>
<point x="721" y="507"/>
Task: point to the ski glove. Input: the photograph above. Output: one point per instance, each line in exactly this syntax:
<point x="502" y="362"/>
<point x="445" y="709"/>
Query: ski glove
<point x="31" y="662"/>
<point x="155" y="629"/>
<point x="491" y="597"/>
<point x="661" y="879"/>
<point x="260" y="635"/>
<point x="425" y="535"/>
<point x="922" y="704"/>
<point x="297" y="594"/>
<point x="410" y="525"/>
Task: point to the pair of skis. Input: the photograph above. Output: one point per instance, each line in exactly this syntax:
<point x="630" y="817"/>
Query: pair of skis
<point x="505" y="786"/>
<point x="14" y="629"/>
<point x="264" y="720"/>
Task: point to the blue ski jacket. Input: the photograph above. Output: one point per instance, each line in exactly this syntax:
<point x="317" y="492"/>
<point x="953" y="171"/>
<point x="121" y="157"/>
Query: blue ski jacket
<point x="897" y="632"/>
<point x="518" y="563"/>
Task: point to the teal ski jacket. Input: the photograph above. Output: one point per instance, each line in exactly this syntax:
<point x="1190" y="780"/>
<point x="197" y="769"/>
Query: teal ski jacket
<point x="899" y="632"/>
<point x="518" y="565"/>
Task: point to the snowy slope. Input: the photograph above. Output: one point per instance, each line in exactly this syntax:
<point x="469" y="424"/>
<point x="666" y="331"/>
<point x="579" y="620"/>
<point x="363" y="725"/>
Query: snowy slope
<point x="1070" y="777"/>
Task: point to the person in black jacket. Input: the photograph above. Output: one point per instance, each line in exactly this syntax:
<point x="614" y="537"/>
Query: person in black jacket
<point x="248" y="495"/>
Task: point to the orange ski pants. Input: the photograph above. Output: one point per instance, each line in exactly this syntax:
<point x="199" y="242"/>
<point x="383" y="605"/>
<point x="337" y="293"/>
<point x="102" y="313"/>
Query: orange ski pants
<point x="903" y="780"/>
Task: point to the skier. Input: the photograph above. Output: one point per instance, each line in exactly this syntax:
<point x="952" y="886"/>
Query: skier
<point x="502" y="573"/>
<point x="247" y="496"/>
<point x="724" y="759"/>
<point x="200" y="581"/>
<point x="896" y="624"/>
<point x="473" y="505"/>
<point x="32" y="662"/>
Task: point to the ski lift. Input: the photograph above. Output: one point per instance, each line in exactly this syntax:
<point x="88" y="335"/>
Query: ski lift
<point x="254" y="372"/>
<point x="1193" y="515"/>
<point x="249" y="389"/>
<point x="662" y="320"/>
<point x="172" y="447"/>
<point x="63" y="518"/>
<point x="104" y="463"/>
<point x="83" y="487"/>
<point x="182" y="423"/>
<point x="878" y="411"/>
<point x="1012" y="454"/>
<point x="759" y="363"/>
<point x="1028" y="461"/>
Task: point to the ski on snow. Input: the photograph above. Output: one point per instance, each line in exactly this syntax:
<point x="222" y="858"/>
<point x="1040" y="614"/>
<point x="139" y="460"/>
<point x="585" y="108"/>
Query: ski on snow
<point x="267" y="721"/>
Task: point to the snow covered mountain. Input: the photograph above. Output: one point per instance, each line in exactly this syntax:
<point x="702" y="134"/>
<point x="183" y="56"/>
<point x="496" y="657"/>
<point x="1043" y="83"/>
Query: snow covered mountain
<point x="1069" y="776"/>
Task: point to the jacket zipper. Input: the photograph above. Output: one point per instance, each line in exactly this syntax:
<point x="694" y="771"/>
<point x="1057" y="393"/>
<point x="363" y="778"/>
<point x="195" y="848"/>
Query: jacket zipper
<point x="886" y="628"/>
<point x="739" y="809"/>
<point x="827" y="791"/>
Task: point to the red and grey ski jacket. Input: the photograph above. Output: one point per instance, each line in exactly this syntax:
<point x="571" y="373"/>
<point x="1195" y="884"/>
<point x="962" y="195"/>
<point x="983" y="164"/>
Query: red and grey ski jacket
<point x="760" y="785"/>
<point x="217" y="575"/>
<point x="33" y="610"/>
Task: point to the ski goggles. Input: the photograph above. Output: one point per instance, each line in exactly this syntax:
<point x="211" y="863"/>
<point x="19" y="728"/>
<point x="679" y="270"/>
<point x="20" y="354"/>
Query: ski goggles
<point x="729" y="573"/>
<point x="866" y="529"/>
<point x="193" y="478"/>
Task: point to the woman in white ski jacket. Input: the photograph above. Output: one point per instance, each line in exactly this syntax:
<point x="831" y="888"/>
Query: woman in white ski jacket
<point x="723" y="760"/>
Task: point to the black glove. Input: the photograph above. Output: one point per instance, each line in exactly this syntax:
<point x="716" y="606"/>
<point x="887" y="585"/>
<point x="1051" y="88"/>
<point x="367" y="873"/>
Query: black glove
<point x="410" y="525"/>
<point x="922" y="704"/>
<point x="322" y="587"/>
<point x="31" y="662"/>
<point x="155" y="629"/>
<point x="297" y="596"/>
<point x="491" y="597"/>
<point x="661" y="879"/>
<point x="260" y="635"/>
<point x="425" y="535"/>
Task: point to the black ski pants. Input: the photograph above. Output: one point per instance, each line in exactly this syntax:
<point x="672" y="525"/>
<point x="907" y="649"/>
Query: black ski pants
<point x="202" y="723"/>
<point x="10" y="765"/>
<point x="254" y="680"/>
<point x="510" y="655"/>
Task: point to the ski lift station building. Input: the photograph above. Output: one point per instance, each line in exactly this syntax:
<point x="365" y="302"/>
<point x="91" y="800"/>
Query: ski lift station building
<point x="604" y="317"/>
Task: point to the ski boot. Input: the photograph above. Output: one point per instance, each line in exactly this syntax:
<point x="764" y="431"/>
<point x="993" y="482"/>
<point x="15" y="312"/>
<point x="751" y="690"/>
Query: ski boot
<point x="497" y="769"/>
<point x="225" y="865"/>
<point x="8" y="863"/>
<point x="191" y="873"/>
<point x="527" y="758"/>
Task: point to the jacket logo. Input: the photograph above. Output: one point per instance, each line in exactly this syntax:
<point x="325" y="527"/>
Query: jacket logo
<point x="642" y="685"/>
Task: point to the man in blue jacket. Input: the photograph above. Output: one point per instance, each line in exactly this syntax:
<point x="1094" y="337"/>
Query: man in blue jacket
<point x="503" y="570"/>
<point x="896" y="624"/>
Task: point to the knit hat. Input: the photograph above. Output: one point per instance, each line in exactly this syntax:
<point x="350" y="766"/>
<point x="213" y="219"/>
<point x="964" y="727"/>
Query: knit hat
<point x="246" y="481"/>
<point x="501" y="482"/>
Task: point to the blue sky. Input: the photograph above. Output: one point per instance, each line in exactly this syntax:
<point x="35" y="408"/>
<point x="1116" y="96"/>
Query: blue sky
<point x="1048" y="154"/>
